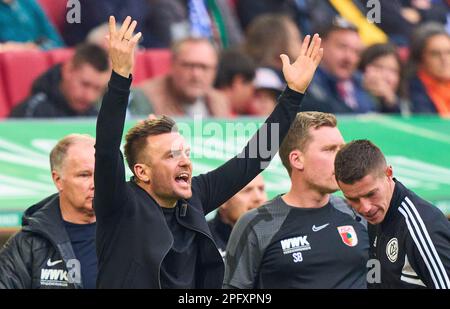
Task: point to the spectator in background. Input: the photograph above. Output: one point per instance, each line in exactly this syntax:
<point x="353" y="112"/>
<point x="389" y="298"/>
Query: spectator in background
<point x="23" y="25"/>
<point x="382" y="77"/>
<point x="187" y="90"/>
<point x="234" y="79"/>
<point x="56" y="246"/>
<point x="429" y="88"/>
<point x="270" y="35"/>
<point x="70" y="89"/>
<point x="400" y="17"/>
<point x="268" y="87"/>
<point x="337" y="86"/>
<point x="95" y="13"/>
<point x="173" y="20"/>
<point x="250" y="197"/>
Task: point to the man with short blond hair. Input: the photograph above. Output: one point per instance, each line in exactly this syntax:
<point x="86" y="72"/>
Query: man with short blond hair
<point x="305" y="238"/>
<point x="56" y="246"/>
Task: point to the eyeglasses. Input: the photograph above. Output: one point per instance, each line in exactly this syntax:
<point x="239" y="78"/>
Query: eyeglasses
<point x="434" y="53"/>
<point x="194" y="65"/>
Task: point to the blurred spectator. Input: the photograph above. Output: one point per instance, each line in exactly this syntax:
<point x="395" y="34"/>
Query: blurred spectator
<point x="421" y="11"/>
<point x="429" y="88"/>
<point x="23" y="25"/>
<point x="138" y="104"/>
<point x="382" y="77"/>
<point x="94" y="13"/>
<point x="173" y="20"/>
<point x="251" y="196"/>
<point x="354" y="12"/>
<point x="270" y="35"/>
<point x="248" y="10"/>
<point x="399" y="17"/>
<point x="268" y="87"/>
<point x="58" y="233"/>
<point x="337" y="86"/>
<point x="234" y="79"/>
<point x="69" y="89"/>
<point x="188" y="88"/>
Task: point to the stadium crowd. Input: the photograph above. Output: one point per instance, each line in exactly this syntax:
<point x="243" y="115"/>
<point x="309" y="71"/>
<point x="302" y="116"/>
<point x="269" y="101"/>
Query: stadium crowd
<point x="221" y="58"/>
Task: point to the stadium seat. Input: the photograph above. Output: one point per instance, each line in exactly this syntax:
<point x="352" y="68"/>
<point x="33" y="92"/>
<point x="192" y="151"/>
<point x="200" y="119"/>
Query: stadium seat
<point x="140" y="68"/>
<point x="59" y="55"/>
<point x="158" y="61"/>
<point x="56" y="12"/>
<point x="4" y="104"/>
<point x="18" y="70"/>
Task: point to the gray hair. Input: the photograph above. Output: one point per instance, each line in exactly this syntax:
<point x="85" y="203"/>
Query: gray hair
<point x="59" y="152"/>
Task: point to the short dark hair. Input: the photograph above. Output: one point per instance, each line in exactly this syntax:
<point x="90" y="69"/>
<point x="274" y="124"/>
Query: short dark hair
<point x="232" y="63"/>
<point x="136" y="138"/>
<point x="92" y="54"/>
<point x="335" y="24"/>
<point x="376" y="51"/>
<point x="358" y="159"/>
<point x="298" y="135"/>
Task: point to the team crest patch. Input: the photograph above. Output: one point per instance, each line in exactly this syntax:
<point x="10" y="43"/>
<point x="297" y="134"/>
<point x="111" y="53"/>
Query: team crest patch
<point x="392" y="250"/>
<point x="348" y="235"/>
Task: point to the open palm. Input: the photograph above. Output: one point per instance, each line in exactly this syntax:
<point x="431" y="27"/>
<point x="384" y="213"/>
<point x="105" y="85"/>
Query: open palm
<point x="299" y="74"/>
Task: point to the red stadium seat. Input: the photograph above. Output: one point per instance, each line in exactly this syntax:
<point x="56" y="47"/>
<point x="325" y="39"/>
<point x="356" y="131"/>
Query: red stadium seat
<point x="140" y="68"/>
<point x="60" y="55"/>
<point x="56" y="12"/>
<point x="4" y="104"/>
<point x="18" y="70"/>
<point x="158" y="61"/>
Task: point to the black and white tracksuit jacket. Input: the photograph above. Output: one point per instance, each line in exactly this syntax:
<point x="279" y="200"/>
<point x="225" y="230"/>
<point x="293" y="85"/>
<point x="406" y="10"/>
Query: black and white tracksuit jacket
<point x="412" y="244"/>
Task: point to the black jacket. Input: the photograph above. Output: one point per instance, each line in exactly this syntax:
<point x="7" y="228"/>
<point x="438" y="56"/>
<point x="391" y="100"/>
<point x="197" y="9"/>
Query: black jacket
<point x="132" y="235"/>
<point x="40" y="256"/>
<point x="412" y="244"/>
<point x="47" y="101"/>
<point x="221" y="233"/>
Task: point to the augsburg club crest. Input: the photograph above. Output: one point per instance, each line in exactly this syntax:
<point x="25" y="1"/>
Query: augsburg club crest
<point x="348" y="235"/>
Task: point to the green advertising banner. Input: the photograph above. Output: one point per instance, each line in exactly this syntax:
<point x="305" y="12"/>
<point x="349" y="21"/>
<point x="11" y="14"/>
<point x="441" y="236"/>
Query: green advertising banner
<point x="417" y="148"/>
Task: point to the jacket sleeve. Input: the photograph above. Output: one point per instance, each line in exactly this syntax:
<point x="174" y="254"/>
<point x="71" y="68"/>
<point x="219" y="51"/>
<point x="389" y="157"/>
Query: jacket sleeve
<point x="15" y="257"/>
<point x="428" y="248"/>
<point x="109" y="174"/>
<point x="219" y="185"/>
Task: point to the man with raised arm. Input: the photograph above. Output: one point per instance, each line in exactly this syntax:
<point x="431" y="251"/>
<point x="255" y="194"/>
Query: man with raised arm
<point x="151" y="230"/>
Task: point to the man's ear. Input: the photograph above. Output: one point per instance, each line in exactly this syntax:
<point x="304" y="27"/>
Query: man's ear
<point x="296" y="160"/>
<point x="66" y="69"/>
<point x="142" y="172"/>
<point x="389" y="171"/>
<point x="57" y="180"/>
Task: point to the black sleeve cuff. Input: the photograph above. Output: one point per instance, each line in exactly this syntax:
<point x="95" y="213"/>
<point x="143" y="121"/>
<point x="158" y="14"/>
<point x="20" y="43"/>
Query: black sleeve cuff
<point x="292" y="95"/>
<point x="119" y="82"/>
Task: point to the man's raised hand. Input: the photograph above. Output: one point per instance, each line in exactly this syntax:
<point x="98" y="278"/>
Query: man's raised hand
<point x="299" y="74"/>
<point x="122" y="44"/>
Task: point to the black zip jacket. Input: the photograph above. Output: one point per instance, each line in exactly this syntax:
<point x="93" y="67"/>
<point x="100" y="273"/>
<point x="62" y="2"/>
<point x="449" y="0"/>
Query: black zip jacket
<point x="412" y="244"/>
<point x="47" y="100"/>
<point x="132" y="235"/>
<point x="40" y="256"/>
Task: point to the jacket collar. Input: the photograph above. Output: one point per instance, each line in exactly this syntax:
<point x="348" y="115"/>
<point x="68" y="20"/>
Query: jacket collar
<point x="397" y="197"/>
